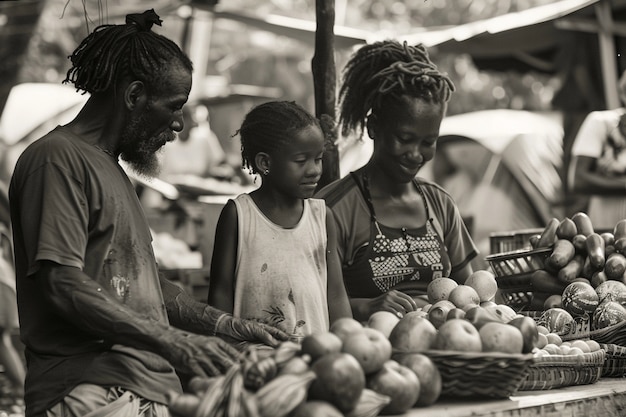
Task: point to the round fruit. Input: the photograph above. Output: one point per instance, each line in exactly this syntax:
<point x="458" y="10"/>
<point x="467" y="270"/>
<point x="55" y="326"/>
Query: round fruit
<point x="582" y="345"/>
<point x="593" y="345"/>
<point x="555" y="300"/>
<point x="552" y="349"/>
<point x="485" y="284"/>
<point x="612" y="291"/>
<point x="427" y="373"/>
<point x="340" y="380"/>
<point x="557" y="320"/>
<point x="580" y="298"/>
<point x="554" y="338"/>
<point x="464" y="296"/>
<point x="608" y="314"/>
<point x="344" y="325"/>
<point x="438" y="313"/>
<point x="542" y="340"/>
<point x="319" y="344"/>
<point x="439" y="289"/>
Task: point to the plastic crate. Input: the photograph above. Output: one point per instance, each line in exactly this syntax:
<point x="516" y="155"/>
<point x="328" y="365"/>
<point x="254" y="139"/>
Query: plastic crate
<point x="512" y="240"/>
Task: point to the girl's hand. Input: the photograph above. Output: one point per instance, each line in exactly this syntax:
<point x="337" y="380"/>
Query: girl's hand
<point x="394" y="301"/>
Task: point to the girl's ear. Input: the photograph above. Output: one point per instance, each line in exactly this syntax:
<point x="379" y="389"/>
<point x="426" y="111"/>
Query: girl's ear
<point x="262" y="162"/>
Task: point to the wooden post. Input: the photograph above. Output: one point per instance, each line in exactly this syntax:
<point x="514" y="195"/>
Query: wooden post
<point x="607" y="54"/>
<point x="324" y="82"/>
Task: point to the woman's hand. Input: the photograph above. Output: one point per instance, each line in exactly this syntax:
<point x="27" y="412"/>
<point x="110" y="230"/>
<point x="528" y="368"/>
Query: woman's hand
<point x="394" y="301"/>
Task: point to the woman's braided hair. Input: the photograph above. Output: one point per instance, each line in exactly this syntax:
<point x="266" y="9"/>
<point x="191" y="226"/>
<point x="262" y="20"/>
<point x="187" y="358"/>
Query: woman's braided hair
<point x="384" y="71"/>
<point x="112" y="52"/>
<point x="269" y="126"/>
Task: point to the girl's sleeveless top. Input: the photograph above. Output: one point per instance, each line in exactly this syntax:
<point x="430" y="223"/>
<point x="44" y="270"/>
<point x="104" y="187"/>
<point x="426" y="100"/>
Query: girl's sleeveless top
<point x="281" y="274"/>
<point x="403" y="259"/>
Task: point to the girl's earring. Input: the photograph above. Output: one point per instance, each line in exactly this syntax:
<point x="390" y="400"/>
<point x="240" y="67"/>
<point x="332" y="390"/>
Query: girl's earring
<point x="267" y="171"/>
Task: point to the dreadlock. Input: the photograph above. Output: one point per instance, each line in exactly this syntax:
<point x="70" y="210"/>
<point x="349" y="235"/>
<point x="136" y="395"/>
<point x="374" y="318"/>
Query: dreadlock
<point x="384" y="71"/>
<point x="112" y="52"/>
<point x="269" y="126"/>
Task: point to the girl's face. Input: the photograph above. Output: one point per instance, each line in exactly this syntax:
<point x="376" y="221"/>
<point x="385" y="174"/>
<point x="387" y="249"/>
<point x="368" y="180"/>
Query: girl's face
<point x="405" y="138"/>
<point x="296" y="167"/>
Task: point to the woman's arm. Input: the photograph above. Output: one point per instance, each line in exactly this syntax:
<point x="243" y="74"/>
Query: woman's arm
<point x="462" y="274"/>
<point x="338" y="304"/>
<point x="224" y="260"/>
<point x="586" y="180"/>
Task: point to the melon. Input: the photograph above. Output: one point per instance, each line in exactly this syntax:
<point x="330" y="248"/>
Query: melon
<point x="608" y="314"/>
<point x="557" y="320"/>
<point x="612" y="291"/>
<point x="580" y="299"/>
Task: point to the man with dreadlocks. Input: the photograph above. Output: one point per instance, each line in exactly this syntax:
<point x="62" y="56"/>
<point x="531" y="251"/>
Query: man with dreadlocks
<point x="95" y="316"/>
<point x="396" y="231"/>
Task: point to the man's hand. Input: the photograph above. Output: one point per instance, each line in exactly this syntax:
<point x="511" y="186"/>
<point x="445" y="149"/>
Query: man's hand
<point x="200" y="355"/>
<point x="235" y="330"/>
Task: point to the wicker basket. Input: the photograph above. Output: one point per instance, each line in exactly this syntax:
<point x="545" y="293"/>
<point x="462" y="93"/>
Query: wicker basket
<point x="513" y="271"/>
<point x="555" y="371"/>
<point x="479" y="374"/>
<point x="615" y="361"/>
<point x="615" y="334"/>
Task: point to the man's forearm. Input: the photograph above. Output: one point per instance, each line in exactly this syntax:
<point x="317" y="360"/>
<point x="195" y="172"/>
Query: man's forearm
<point x="82" y="301"/>
<point x="188" y="314"/>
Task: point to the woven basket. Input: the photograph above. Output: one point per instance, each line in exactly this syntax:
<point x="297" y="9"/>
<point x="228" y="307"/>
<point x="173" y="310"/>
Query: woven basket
<point x="615" y="361"/>
<point x="615" y="334"/>
<point x="479" y="374"/>
<point x="513" y="271"/>
<point x="555" y="371"/>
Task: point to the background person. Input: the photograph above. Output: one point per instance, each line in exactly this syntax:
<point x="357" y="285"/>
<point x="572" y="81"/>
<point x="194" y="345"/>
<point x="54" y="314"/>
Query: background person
<point x="277" y="258"/>
<point x="10" y="358"/>
<point x="396" y="231"/>
<point x="96" y="319"/>
<point x="598" y="162"/>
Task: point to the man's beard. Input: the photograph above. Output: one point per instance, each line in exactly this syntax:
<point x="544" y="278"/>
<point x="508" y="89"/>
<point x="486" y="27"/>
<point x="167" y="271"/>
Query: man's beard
<point x="140" y="150"/>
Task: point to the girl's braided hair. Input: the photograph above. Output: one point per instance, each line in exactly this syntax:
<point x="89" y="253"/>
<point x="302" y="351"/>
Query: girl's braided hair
<point x="112" y="52"/>
<point x="382" y="72"/>
<point x="269" y="126"/>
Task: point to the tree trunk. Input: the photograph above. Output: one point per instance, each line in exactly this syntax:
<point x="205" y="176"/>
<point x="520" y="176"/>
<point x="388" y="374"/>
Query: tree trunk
<point x="324" y="83"/>
<point x="15" y="34"/>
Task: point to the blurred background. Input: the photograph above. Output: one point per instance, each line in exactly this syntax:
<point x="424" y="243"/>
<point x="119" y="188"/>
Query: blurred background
<point x="526" y="74"/>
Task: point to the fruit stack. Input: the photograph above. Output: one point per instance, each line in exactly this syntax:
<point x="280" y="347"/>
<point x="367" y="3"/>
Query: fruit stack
<point x="347" y="371"/>
<point x="481" y="348"/>
<point x="584" y="274"/>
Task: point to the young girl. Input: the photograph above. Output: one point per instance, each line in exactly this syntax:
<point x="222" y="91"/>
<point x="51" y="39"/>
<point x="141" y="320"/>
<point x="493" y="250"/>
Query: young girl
<point x="275" y="257"/>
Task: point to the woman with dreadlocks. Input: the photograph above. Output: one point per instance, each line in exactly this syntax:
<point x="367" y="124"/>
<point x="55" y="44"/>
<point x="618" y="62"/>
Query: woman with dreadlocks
<point x="104" y="335"/>
<point x="396" y="231"/>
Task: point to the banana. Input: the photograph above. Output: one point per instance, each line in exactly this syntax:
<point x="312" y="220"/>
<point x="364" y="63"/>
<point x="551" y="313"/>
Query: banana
<point x="370" y="404"/>
<point x="282" y="394"/>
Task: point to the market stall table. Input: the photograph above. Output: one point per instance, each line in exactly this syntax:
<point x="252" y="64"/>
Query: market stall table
<point x="606" y="398"/>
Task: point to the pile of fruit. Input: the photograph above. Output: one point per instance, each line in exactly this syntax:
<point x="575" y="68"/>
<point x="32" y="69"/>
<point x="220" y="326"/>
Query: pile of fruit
<point x="377" y="367"/>
<point x="347" y="371"/>
<point x="584" y="274"/>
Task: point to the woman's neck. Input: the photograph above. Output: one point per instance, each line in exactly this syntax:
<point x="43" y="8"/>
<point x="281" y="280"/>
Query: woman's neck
<point x="381" y="185"/>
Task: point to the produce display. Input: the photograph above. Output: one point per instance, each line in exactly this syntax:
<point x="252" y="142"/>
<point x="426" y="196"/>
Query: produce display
<point x="381" y="366"/>
<point x="583" y="274"/>
<point x="389" y="364"/>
